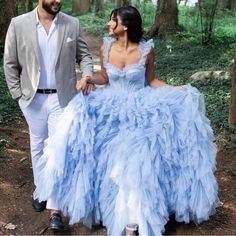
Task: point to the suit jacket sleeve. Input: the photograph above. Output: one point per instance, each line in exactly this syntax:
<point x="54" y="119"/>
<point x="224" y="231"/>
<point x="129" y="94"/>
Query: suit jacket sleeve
<point x="12" y="68"/>
<point x="83" y="55"/>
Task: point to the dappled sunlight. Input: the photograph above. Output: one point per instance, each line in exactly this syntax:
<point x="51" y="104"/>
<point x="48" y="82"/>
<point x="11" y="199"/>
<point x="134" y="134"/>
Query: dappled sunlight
<point x="225" y="178"/>
<point x="16" y="151"/>
<point x="230" y="206"/>
<point x="7" y="188"/>
<point x="24" y="131"/>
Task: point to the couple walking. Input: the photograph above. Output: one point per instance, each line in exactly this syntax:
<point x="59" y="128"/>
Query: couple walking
<point x="129" y="154"/>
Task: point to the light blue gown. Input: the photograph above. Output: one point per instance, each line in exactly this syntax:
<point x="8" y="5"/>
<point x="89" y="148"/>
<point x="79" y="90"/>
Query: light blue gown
<point x="130" y="153"/>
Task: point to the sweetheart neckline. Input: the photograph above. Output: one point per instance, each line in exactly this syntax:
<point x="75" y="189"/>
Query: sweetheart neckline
<point x="125" y="67"/>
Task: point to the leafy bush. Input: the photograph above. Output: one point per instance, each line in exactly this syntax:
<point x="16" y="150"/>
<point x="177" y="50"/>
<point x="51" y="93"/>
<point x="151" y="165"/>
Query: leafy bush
<point x="9" y="109"/>
<point x="177" y="61"/>
<point x="224" y="24"/>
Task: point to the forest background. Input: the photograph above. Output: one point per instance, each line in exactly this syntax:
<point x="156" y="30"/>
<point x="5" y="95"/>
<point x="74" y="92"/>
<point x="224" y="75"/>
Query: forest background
<point x="195" y="43"/>
<point x="197" y="39"/>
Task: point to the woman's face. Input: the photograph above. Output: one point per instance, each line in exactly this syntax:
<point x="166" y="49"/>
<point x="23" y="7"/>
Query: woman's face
<point x="115" y="27"/>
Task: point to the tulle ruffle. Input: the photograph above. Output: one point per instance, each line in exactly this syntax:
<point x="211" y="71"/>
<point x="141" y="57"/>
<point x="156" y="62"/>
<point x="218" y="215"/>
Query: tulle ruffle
<point x="135" y="157"/>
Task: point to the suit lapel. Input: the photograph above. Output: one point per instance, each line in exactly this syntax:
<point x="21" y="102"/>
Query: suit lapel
<point x="61" y="33"/>
<point x="33" y="32"/>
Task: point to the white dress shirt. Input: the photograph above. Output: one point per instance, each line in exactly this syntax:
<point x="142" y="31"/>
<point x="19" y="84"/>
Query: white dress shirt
<point x="47" y="53"/>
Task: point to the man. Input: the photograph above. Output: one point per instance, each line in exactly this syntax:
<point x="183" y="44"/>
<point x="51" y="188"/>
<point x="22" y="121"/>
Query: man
<point x="41" y="49"/>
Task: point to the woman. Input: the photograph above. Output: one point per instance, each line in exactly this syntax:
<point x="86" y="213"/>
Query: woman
<point x="135" y="152"/>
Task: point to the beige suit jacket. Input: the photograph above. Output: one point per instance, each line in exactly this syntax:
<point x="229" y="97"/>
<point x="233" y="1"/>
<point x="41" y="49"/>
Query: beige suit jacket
<point x="21" y="59"/>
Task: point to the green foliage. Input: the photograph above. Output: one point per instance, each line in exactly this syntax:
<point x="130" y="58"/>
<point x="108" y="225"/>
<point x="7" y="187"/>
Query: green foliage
<point x="3" y="144"/>
<point x="177" y="61"/>
<point x="98" y="25"/>
<point x="148" y="12"/>
<point x="9" y="109"/>
<point x="67" y="6"/>
<point x="230" y="170"/>
<point x="217" y="95"/>
<point x="190" y="25"/>
<point x="207" y="11"/>
<point x="95" y="24"/>
<point x="189" y="22"/>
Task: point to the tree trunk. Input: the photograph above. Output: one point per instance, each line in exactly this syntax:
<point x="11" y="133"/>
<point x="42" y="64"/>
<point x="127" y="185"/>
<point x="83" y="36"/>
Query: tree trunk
<point x="80" y="7"/>
<point x="28" y="5"/>
<point x="8" y="10"/>
<point x="232" y="5"/>
<point x="224" y="3"/>
<point x="232" y="107"/>
<point x="166" y="20"/>
<point x="120" y="3"/>
<point x="228" y="4"/>
<point x="207" y="10"/>
<point x="99" y="8"/>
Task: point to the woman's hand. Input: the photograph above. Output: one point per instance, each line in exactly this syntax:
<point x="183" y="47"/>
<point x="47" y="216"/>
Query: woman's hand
<point x="82" y="84"/>
<point x="182" y="87"/>
<point x="89" y="88"/>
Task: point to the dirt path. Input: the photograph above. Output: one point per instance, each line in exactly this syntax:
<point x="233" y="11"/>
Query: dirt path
<point x="17" y="216"/>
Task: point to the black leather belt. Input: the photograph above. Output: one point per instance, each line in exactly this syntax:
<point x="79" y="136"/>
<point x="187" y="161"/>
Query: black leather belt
<point x="46" y="91"/>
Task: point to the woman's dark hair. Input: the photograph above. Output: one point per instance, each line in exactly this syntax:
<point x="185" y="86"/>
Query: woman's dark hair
<point x="130" y="18"/>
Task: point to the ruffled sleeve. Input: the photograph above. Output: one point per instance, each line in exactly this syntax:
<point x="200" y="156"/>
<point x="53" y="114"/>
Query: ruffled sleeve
<point x="145" y="47"/>
<point x="107" y="41"/>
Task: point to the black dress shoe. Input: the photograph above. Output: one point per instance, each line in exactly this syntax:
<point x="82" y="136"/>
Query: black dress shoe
<point x="55" y="222"/>
<point x="39" y="206"/>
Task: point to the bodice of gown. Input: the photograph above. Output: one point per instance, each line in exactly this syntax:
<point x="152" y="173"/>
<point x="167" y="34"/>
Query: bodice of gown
<point x="131" y="77"/>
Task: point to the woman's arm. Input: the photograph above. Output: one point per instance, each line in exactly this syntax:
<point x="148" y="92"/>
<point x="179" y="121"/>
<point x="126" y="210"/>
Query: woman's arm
<point x="101" y="78"/>
<point x="150" y="72"/>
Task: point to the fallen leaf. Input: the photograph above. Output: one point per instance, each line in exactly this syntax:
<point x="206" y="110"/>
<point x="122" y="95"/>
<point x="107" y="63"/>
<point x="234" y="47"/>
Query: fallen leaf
<point x="10" y="226"/>
<point x="23" y="159"/>
<point x="43" y="230"/>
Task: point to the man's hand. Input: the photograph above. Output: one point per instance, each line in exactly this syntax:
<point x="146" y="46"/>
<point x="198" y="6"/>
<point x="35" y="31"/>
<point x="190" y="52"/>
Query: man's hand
<point x="81" y="84"/>
<point x="84" y="86"/>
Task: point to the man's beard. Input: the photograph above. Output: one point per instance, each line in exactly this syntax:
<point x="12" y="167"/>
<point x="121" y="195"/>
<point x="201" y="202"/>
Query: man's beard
<point x="48" y="8"/>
